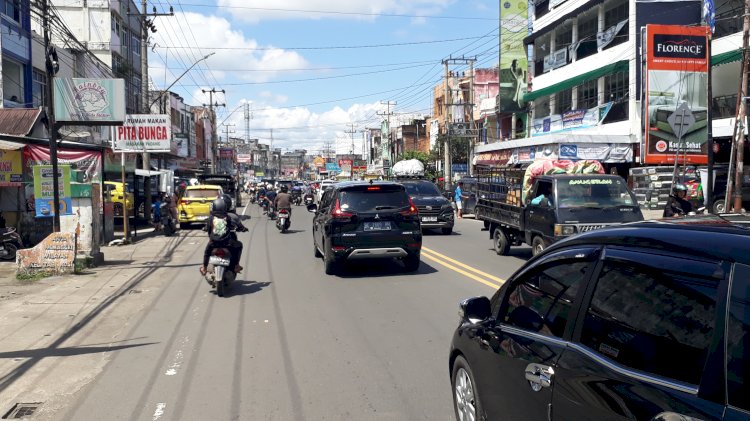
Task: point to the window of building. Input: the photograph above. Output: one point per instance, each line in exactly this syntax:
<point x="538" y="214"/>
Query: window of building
<point x="13" y="86"/>
<point x="587" y="29"/>
<point x="616" y="91"/>
<point x="588" y="96"/>
<point x="563" y="101"/>
<point x="38" y="89"/>
<point x="541" y="49"/>
<point x="541" y="8"/>
<point x="13" y="10"/>
<point x="648" y="309"/>
<point x="617" y="13"/>
<point x="136" y="45"/>
<point x="728" y="17"/>
<point x="541" y="107"/>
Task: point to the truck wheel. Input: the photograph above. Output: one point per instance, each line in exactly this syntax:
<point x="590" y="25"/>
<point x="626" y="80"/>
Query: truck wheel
<point x="719" y="206"/>
<point x="500" y="241"/>
<point x="537" y="245"/>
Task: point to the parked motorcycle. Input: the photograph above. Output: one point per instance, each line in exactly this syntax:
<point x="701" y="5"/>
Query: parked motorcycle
<point x="219" y="274"/>
<point x="10" y="243"/>
<point x="284" y="220"/>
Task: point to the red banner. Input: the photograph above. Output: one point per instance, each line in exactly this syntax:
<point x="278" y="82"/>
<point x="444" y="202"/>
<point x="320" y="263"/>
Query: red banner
<point x="89" y="162"/>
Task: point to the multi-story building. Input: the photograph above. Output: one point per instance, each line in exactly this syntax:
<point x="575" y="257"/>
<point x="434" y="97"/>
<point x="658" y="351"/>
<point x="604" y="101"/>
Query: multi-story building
<point x="18" y="76"/>
<point x="292" y="162"/>
<point x="111" y="30"/>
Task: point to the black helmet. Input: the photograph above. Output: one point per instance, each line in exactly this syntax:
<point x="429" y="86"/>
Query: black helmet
<point x="219" y="206"/>
<point x="228" y="200"/>
<point x="679" y="187"/>
<point x="284" y="188"/>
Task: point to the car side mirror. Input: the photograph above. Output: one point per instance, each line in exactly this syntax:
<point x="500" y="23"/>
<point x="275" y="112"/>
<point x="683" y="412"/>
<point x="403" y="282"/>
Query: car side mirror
<point x="475" y="309"/>
<point x="312" y="207"/>
<point x="526" y="318"/>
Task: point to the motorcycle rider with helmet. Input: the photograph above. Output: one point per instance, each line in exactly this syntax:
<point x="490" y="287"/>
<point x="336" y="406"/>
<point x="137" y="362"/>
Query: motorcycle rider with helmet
<point x="677" y="205"/>
<point x="219" y="210"/>
<point x="283" y="200"/>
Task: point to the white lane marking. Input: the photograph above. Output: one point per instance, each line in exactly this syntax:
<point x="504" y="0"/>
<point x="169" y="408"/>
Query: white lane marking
<point x="244" y="211"/>
<point x="177" y="361"/>
<point x="159" y="410"/>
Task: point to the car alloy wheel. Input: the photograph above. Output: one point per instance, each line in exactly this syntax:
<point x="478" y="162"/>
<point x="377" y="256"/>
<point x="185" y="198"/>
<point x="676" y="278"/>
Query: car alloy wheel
<point x="465" y="400"/>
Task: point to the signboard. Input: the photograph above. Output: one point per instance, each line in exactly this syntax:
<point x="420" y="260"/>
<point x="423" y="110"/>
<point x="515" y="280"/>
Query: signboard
<point x="245" y="158"/>
<point x="602" y="152"/>
<point x="11" y="168"/>
<point x="570" y="120"/>
<point x="557" y="59"/>
<point x="143" y="133"/>
<point x="333" y="167"/>
<point x="319" y="162"/>
<point x="79" y="100"/>
<point x="513" y="60"/>
<point x="677" y="76"/>
<point x="55" y="255"/>
<point x="44" y="190"/>
<point x="88" y="162"/>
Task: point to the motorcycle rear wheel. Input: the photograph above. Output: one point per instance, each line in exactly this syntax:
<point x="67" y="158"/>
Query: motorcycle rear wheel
<point x="12" y="249"/>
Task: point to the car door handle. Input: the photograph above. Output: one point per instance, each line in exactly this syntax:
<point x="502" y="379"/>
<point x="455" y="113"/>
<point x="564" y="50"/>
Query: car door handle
<point x="539" y="376"/>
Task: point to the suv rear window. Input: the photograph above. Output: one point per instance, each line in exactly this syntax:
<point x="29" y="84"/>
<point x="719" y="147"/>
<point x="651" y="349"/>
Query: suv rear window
<point x="373" y="198"/>
<point x="202" y="193"/>
<point x="422" y="188"/>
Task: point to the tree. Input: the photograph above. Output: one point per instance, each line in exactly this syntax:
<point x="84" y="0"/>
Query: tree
<point x="421" y="156"/>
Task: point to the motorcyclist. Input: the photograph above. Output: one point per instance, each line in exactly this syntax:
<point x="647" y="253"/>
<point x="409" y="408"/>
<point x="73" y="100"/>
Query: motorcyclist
<point x="283" y="200"/>
<point x="270" y="199"/>
<point x="677" y="205"/>
<point x="219" y="211"/>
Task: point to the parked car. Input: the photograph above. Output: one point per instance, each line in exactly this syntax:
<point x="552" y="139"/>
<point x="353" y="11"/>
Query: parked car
<point x="195" y="203"/>
<point x="324" y="185"/>
<point x="645" y="321"/>
<point x="120" y="198"/>
<point x="435" y="211"/>
<point x="361" y="220"/>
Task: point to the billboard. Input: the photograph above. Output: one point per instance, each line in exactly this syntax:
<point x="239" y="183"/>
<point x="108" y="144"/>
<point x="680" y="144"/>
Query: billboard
<point x="513" y="61"/>
<point x="91" y="101"/>
<point x="143" y="133"/>
<point x="44" y="190"/>
<point x="677" y="77"/>
<point x="245" y="158"/>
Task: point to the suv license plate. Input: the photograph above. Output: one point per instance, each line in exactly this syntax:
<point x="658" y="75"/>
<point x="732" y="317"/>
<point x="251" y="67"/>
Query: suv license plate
<point x="429" y="219"/>
<point x="377" y="226"/>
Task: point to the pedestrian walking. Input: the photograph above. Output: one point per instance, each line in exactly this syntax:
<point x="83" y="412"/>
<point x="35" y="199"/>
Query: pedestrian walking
<point x="458" y="199"/>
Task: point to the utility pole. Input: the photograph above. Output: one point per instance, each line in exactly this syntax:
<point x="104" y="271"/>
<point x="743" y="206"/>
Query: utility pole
<point x="146" y="25"/>
<point x="52" y="67"/>
<point x="387" y="114"/>
<point x="248" y="117"/>
<point x="449" y="118"/>
<point x="446" y="148"/>
<point x="211" y="104"/>
<point x="227" y="139"/>
<point x="351" y="151"/>
<point x="742" y="114"/>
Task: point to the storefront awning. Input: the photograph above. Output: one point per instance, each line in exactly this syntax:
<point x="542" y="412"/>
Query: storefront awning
<point x="555" y="139"/>
<point x="726" y="57"/>
<point x="10" y="146"/>
<point x="620" y="66"/>
<point x="18" y="122"/>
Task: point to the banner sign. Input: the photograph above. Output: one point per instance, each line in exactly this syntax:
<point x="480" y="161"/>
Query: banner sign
<point x="333" y="167"/>
<point x="88" y="162"/>
<point x="44" y="190"/>
<point x="80" y="100"/>
<point x="11" y="168"/>
<point x="513" y="60"/>
<point x="143" y="133"/>
<point x="570" y="120"/>
<point x="606" y="37"/>
<point x="245" y="158"/>
<point x="602" y="152"/>
<point x="677" y="77"/>
<point x="557" y="59"/>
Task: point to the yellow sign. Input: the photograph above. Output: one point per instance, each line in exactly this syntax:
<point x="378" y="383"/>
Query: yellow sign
<point x="319" y="162"/>
<point x="11" y="169"/>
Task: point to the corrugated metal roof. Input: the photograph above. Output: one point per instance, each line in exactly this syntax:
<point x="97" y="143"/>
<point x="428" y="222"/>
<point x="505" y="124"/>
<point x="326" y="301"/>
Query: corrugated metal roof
<point x="18" y="121"/>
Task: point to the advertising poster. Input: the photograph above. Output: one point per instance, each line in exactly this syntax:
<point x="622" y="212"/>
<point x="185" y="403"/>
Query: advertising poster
<point x="44" y="190"/>
<point x="513" y="61"/>
<point x="677" y="74"/>
<point x="11" y="168"/>
<point x="570" y="120"/>
<point x="89" y="100"/>
<point x="143" y="133"/>
<point x="88" y="162"/>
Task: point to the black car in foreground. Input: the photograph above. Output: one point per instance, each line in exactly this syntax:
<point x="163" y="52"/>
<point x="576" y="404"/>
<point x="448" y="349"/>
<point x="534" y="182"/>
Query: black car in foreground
<point x="646" y="321"/>
<point x="361" y="220"/>
<point x="435" y="211"/>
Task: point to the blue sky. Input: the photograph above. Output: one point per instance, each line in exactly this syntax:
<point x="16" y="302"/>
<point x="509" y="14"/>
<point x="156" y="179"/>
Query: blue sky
<point x="311" y="68"/>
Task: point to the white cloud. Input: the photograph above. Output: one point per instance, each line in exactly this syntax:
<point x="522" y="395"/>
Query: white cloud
<point x="258" y="10"/>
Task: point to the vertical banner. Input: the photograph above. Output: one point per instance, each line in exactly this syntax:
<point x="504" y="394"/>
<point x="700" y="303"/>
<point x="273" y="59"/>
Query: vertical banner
<point x="513" y="61"/>
<point x="677" y="77"/>
<point x="44" y="190"/>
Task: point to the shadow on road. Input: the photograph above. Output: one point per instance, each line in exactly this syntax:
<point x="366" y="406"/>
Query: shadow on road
<point x="380" y="268"/>
<point x="520" y="253"/>
<point x="246" y="288"/>
<point x="436" y="232"/>
<point x="294" y="231"/>
<point x="66" y="352"/>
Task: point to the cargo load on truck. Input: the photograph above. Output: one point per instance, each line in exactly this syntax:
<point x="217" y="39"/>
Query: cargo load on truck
<point x="408" y="168"/>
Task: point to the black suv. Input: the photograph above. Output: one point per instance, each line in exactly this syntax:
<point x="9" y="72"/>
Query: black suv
<point x="435" y="211"/>
<point x="646" y="321"/>
<point x="360" y="220"/>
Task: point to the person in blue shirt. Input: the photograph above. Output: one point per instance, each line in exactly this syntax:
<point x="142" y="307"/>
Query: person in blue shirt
<point x="459" y="200"/>
<point x="156" y="213"/>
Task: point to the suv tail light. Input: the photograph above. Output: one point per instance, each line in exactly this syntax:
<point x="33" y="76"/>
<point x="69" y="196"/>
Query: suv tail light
<point x="340" y="214"/>
<point x="412" y="211"/>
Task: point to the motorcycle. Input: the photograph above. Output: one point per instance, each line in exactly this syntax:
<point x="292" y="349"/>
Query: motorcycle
<point x="168" y="224"/>
<point x="297" y="200"/>
<point x="271" y="212"/>
<point x="10" y="243"/>
<point x="219" y="274"/>
<point x="284" y="220"/>
<point x="309" y="199"/>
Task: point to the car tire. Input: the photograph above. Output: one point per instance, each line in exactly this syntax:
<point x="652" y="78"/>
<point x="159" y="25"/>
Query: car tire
<point x="318" y="254"/>
<point x="719" y="206"/>
<point x="411" y="262"/>
<point x="329" y="260"/>
<point x="447" y="231"/>
<point x="184" y="225"/>
<point x="537" y="245"/>
<point x="466" y="402"/>
<point x="500" y="242"/>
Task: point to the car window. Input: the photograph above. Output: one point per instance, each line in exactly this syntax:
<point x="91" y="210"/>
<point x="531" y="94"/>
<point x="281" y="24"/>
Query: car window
<point x="202" y="193"/>
<point x="325" y="201"/>
<point x="646" y="310"/>
<point x="421" y="189"/>
<point x="738" y="340"/>
<point x="373" y="200"/>
<point x="542" y="299"/>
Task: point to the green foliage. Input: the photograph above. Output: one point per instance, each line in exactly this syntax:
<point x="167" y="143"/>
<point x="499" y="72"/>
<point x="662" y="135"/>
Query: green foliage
<point x="418" y="155"/>
<point x="31" y="276"/>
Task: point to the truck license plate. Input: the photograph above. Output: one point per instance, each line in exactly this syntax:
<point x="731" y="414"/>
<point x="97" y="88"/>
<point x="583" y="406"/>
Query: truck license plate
<point x="429" y="219"/>
<point x="377" y="226"/>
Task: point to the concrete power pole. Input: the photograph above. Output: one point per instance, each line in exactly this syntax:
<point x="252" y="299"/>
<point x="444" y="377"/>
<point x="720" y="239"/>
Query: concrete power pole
<point x="742" y="114"/>
<point x="248" y="117"/>
<point x="211" y="105"/>
<point x="449" y="117"/>
<point x="388" y="113"/>
<point x="446" y="148"/>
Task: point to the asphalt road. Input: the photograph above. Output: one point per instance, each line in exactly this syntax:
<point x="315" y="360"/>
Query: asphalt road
<point x="289" y="342"/>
